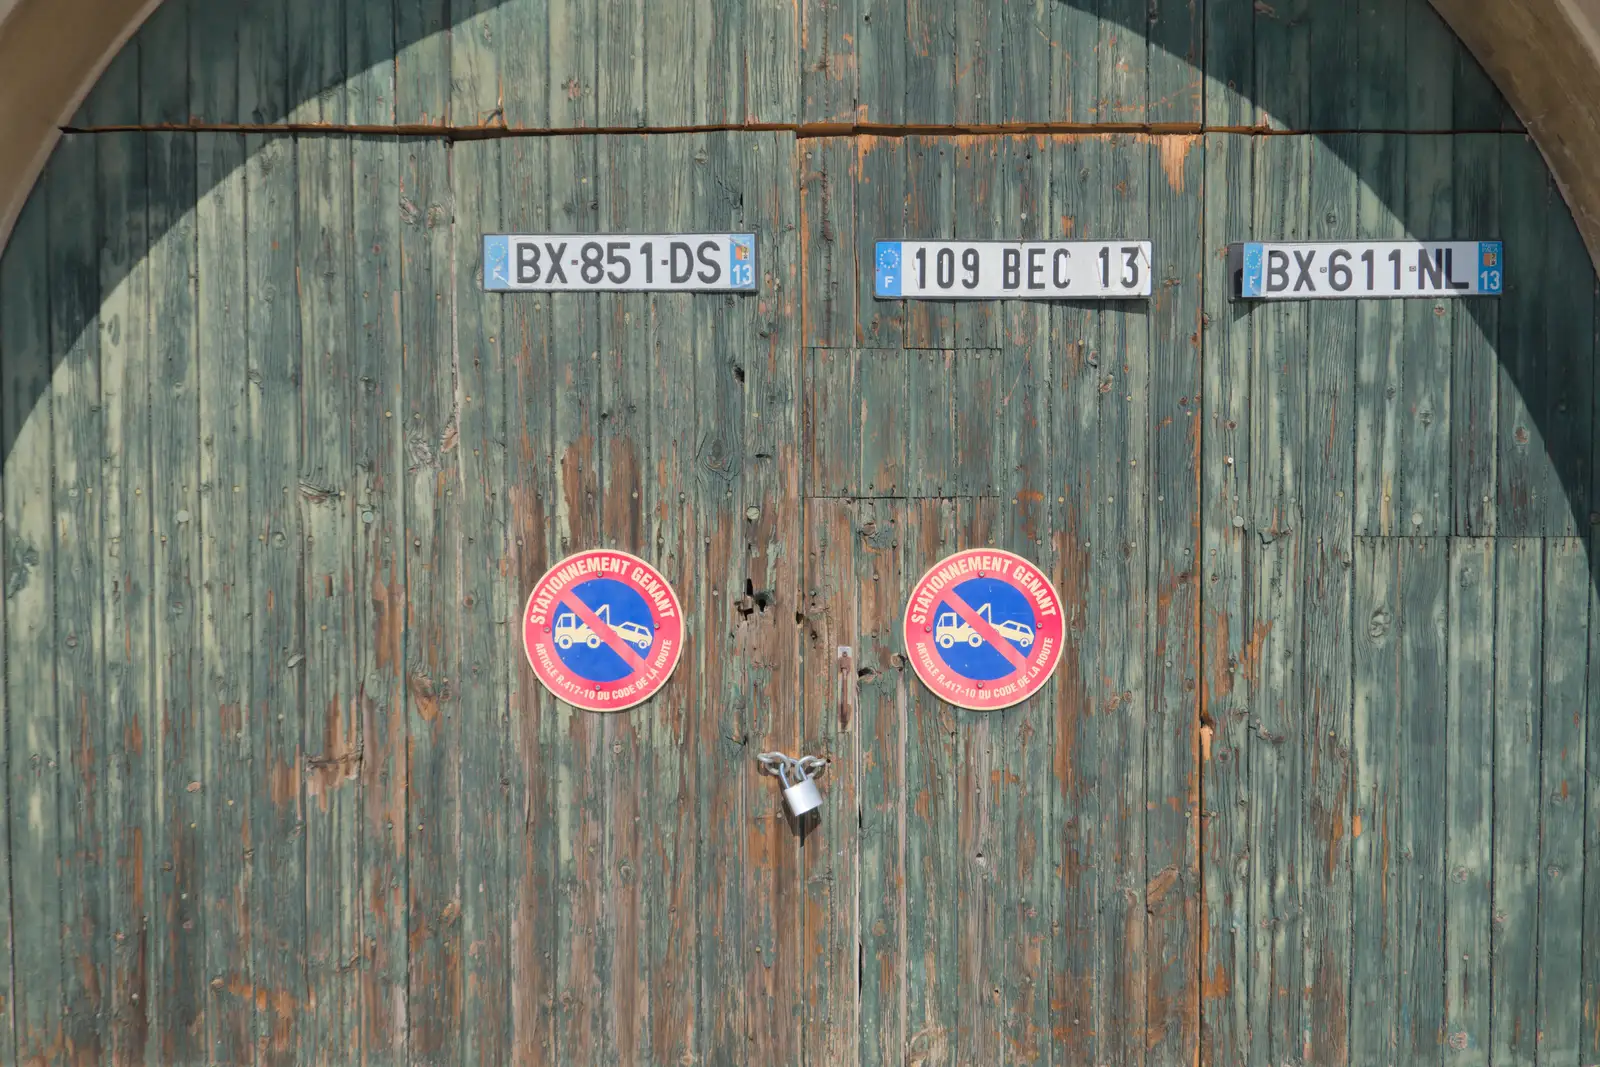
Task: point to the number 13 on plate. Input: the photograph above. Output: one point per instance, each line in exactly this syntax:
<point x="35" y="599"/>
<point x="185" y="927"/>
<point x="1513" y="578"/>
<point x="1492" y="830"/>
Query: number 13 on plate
<point x="1016" y="270"/>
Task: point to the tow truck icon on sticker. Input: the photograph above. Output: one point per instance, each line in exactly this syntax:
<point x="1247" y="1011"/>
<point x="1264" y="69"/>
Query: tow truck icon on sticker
<point x="983" y="629"/>
<point x="570" y="630"/>
<point x="951" y="629"/>
<point x="603" y="630"/>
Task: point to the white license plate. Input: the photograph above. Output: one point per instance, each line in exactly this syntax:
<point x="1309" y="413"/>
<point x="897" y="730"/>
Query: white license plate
<point x="684" y="262"/>
<point x="1332" y="270"/>
<point x="1012" y="270"/>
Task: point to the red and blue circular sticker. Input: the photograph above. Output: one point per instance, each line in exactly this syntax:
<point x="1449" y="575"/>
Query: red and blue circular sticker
<point x="984" y="629"/>
<point x="603" y="630"/>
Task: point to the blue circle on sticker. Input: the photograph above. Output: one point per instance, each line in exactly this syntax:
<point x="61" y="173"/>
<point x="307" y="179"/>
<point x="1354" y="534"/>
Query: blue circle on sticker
<point x="582" y="650"/>
<point x="960" y="646"/>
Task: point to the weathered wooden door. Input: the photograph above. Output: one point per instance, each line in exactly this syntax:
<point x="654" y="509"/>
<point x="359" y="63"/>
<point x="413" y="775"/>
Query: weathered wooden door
<point x="1311" y="784"/>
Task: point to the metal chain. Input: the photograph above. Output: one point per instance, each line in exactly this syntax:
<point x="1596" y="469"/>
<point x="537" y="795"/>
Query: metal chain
<point x="774" y="763"/>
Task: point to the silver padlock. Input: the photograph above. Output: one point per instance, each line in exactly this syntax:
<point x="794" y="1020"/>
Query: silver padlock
<point x="803" y="796"/>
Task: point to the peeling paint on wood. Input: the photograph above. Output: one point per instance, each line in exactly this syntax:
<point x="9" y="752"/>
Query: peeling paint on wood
<point x="279" y="473"/>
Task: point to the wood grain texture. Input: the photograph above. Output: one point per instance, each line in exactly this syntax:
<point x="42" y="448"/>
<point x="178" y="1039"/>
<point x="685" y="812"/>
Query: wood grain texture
<point x="1275" y="806"/>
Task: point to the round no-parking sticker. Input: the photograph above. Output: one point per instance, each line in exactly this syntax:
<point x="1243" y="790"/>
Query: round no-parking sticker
<point x="603" y="630"/>
<point x="983" y="629"/>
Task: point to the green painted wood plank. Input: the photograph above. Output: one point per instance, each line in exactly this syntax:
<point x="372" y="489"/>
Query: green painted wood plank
<point x="486" y="913"/>
<point x="1528" y="490"/>
<point x="330" y="741"/>
<point x="378" y="559"/>
<point x="831" y="940"/>
<point x="1514" y="896"/>
<point x="1417" y="853"/>
<point x="1172" y="867"/>
<point x="770" y="62"/>
<point x="585" y="927"/>
<point x="882" y="208"/>
<point x="1380" y="167"/>
<point x="528" y="78"/>
<point x="737" y="810"/>
<point x="1176" y="32"/>
<point x="34" y="759"/>
<point x="1381" y="50"/>
<point x="827" y="178"/>
<point x="777" y="910"/>
<point x="1474" y="375"/>
<point x="881" y="56"/>
<point x="975" y="389"/>
<point x="1275" y="616"/>
<point x="178" y="945"/>
<point x="620" y="63"/>
<point x="369" y="41"/>
<point x="486" y="918"/>
<point x="262" y="71"/>
<point x="531" y="802"/>
<point x="833" y="428"/>
<point x="1025" y="481"/>
<point x="981" y="956"/>
<point x="1077" y="982"/>
<point x="225" y="597"/>
<point x="1334" y="87"/>
<point x="1423" y="491"/>
<point x="871" y="709"/>
<point x="672" y="873"/>
<point x="1119" y="561"/>
<point x="179" y="957"/>
<point x="721" y="50"/>
<point x="1469" y="792"/>
<point x="930" y="424"/>
<point x="625" y="457"/>
<point x="931" y="948"/>
<point x="1589" y="978"/>
<point x="829" y="67"/>
<point x="1564" y="415"/>
<point x="1124" y="87"/>
<point x="1328" y="448"/>
<point x="978" y="33"/>
<point x="316" y="62"/>
<point x="423" y="78"/>
<point x="475" y="53"/>
<point x="1375" y="788"/>
<point x="930" y="64"/>
<point x="278" y="884"/>
<point x="978" y="195"/>
<point x="1563" y="754"/>
<point x="1430" y="69"/>
<point x="124" y="480"/>
<point x="1278" y="384"/>
<point x="769" y="686"/>
<point x="880" y="399"/>
<point x="1225" y="636"/>
<point x="1229" y="95"/>
<point x="930" y="214"/>
<point x="669" y="85"/>
<point x="79" y="623"/>
<point x="433" y="604"/>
